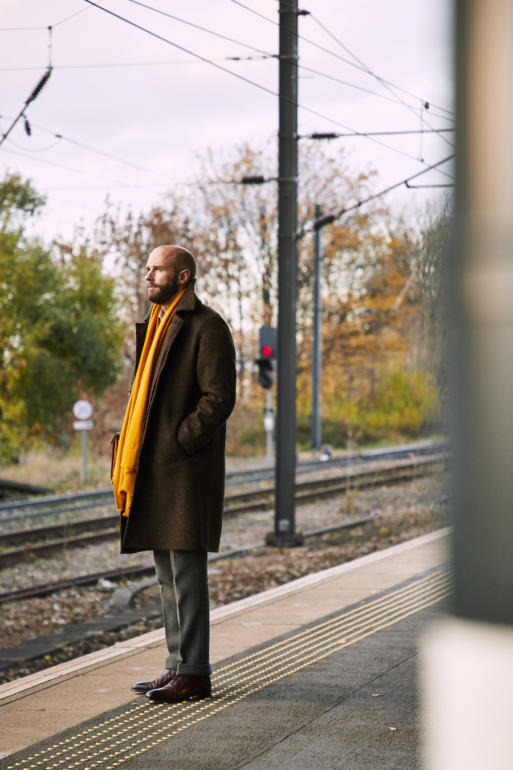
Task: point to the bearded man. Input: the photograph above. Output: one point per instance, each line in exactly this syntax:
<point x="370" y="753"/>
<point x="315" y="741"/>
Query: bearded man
<point x="168" y="475"/>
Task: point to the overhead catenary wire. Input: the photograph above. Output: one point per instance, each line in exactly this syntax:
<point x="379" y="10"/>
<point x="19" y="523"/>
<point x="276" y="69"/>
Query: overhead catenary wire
<point x="333" y="53"/>
<point x="44" y="161"/>
<point x="221" y="36"/>
<point x="38" y="29"/>
<point x="356" y="86"/>
<point x="109" y="65"/>
<point x="260" y="51"/>
<point x="363" y="134"/>
<point x="103" y="153"/>
<point x="246" y="45"/>
<point x="181" y="47"/>
<point x="46" y="148"/>
<point x="241" y="77"/>
<point x="261" y="54"/>
<point x="383" y="81"/>
<point x="163" y="63"/>
<point x="192" y="24"/>
<point x="387" y="86"/>
<point x="329" y="219"/>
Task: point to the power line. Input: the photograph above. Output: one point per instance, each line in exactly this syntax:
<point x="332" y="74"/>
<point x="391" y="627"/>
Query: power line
<point x="380" y="80"/>
<point x="262" y="54"/>
<point x="110" y="156"/>
<point x="333" y="53"/>
<point x="34" y="29"/>
<point x="219" y="35"/>
<point x="103" y="153"/>
<point x="365" y="134"/>
<point x="67" y="18"/>
<point x="383" y="81"/>
<point x="241" y="77"/>
<point x="181" y="48"/>
<point x="330" y="218"/>
<point x="34" y="149"/>
<point x="393" y="99"/>
<point x="109" y="65"/>
<point x="61" y="137"/>
<point x="258" y="57"/>
<point x="197" y="26"/>
<point x="42" y="160"/>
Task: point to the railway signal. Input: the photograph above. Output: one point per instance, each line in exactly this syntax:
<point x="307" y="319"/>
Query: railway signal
<point x="266" y="361"/>
<point x="268" y="345"/>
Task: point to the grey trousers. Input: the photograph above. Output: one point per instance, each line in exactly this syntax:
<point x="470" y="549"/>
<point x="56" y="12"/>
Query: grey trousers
<point x="182" y="576"/>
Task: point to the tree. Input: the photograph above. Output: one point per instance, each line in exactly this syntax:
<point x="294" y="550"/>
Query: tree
<point x="59" y="331"/>
<point x="372" y="294"/>
<point x="430" y="261"/>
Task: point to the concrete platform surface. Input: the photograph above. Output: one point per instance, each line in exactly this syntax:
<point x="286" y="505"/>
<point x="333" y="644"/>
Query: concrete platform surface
<point x="281" y="699"/>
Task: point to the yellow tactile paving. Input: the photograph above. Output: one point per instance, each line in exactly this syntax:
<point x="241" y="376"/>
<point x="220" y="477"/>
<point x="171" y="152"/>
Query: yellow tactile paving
<point x="139" y="728"/>
<point x="40" y="705"/>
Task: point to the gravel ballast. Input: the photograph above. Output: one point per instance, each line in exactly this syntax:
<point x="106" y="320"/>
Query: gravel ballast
<point x="398" y="512"/>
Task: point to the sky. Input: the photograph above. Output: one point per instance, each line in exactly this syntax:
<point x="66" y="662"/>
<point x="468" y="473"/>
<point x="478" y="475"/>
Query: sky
<point x="133" y="111"/>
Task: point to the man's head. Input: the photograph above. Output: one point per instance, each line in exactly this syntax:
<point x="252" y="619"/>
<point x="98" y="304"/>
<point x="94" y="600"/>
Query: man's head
<point x="168" y="270"/>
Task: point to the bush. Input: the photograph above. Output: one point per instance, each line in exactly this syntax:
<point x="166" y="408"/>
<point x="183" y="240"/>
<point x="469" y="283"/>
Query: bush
<point x="402" y="406"/>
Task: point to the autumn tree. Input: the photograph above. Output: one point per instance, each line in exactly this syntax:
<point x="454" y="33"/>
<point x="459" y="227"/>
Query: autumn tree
<point x="430" y="266"/>
<point x="372" y="293"/>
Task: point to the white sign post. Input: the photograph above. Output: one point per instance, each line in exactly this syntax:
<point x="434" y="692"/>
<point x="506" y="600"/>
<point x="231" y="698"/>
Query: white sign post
<point x="83" y="410"/>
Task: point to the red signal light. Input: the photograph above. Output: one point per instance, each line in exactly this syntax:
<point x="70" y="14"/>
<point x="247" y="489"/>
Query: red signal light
<point x="267" y="351"/>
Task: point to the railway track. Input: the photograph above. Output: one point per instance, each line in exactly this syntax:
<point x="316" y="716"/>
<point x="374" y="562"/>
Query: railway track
<point x="55" y="505"/>
<point x="43" y="541"/>
<point x="136" y="571"/>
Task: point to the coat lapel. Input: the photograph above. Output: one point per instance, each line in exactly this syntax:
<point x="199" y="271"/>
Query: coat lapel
<point x="174" y="327"/>
<point x="187" y="303"/>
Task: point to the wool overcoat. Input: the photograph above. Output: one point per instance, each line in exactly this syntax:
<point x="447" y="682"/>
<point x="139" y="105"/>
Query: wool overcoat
<point x="179" y="485"/>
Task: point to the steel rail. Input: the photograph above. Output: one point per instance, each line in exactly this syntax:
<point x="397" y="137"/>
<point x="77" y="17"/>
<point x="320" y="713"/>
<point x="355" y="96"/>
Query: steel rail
<point x="47" y="589"/>
<point x="256" y="499"/>
<point x="69" y="503"/>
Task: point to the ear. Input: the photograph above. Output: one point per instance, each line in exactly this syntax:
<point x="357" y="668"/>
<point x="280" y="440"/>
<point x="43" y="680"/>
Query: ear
<point x="184" y="276"/>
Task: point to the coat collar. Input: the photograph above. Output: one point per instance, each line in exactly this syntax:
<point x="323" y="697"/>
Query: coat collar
<point x="189" y="299"/>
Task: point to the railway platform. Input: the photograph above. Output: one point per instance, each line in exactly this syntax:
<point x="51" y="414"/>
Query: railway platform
<point x="317" y="673"/>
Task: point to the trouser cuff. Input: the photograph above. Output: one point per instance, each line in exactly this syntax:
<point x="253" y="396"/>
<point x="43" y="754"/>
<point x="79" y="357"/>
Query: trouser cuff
<point x="194" y="669"/>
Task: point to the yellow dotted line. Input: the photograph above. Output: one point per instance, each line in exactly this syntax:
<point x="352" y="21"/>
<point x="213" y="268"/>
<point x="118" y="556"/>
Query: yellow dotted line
<point x="229" y="673"/>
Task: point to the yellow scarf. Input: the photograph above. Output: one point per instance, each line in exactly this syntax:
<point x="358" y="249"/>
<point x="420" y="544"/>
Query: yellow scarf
<point x="125" y="468"/>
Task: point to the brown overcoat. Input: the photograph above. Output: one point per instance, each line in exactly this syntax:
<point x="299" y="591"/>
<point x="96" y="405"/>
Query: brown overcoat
<point x="179" y="485"/>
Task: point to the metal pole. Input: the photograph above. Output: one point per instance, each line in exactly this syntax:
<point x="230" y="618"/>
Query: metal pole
<point x="269" y="424"/>
<point x="284" y="523"/>
<point x="84" y="454"/>
<point x="468" y="674"/>
<point x="317" y="336"/>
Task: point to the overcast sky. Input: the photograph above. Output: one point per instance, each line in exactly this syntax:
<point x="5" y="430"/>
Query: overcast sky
<point x="117" y="90"/>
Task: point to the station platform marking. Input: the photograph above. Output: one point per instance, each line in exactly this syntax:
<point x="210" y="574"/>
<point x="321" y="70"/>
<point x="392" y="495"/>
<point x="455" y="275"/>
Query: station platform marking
<point x="139" y="727"/>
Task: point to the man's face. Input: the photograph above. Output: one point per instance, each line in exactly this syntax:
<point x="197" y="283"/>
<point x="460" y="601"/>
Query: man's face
<point x="162" y="277"/>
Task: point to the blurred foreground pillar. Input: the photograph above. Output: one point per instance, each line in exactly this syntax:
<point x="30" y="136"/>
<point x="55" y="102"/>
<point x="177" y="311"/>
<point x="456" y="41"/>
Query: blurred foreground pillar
<point x="467" y="657"/>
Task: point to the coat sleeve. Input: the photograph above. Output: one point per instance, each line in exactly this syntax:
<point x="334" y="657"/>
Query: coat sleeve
<point x="216" y="376"/>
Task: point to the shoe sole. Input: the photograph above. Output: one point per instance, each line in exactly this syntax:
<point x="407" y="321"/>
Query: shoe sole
<point x="180" y="700"/>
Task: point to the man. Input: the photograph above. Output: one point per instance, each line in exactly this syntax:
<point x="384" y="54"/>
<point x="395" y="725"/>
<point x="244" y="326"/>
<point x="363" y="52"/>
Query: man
<point x="168" y="476"/>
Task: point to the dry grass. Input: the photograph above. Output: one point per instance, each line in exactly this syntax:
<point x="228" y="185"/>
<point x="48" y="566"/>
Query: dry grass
<point x="58" y="471"/>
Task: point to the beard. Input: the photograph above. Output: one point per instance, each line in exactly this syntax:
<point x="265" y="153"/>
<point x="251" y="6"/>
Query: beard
<point x="159" y="295"/>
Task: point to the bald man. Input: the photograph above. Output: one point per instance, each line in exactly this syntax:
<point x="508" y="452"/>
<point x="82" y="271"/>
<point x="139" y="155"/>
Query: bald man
<point x="168" y="474"/>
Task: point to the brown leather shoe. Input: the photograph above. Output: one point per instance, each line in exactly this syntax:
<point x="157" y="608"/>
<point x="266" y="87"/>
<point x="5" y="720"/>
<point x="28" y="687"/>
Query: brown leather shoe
<point x="164" y="678"/>
<point x="182" y="688"/>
